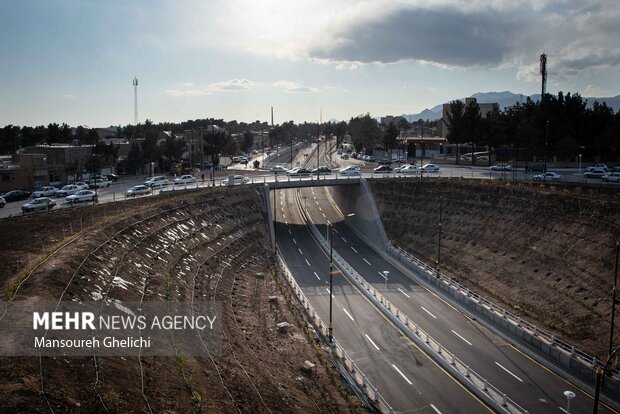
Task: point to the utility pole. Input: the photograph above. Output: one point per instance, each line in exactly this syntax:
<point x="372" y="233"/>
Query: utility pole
<point x="135" y="101"/>
<point x="439" y="234"/>
<point x="613" y="302"/>
<point x="331" y="285"/>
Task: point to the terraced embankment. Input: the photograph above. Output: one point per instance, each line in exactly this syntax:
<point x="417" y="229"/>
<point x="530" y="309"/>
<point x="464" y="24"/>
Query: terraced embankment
<point x="210" y="245"/>
<point x="546" y="252"/>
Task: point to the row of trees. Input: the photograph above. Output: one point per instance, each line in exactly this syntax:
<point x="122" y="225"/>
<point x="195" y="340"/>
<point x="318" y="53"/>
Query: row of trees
<point x="557" y="126"/>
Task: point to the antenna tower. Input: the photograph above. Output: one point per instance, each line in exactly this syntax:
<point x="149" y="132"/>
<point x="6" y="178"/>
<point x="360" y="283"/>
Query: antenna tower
<point x="135" y="101"/>
<point x="543" y="74"/>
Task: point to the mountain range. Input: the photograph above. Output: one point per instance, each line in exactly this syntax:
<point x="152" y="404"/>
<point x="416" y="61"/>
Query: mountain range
<point x="504" y="99"/>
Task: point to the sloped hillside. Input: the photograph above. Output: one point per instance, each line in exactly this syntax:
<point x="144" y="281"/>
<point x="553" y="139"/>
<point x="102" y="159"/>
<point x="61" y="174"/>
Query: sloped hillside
<point x="546" y="252"/>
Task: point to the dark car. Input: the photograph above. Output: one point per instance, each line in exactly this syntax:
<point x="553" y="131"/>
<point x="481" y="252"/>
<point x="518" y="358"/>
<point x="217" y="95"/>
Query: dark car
<point x="536" y="168"/>
<point x="112" y="177"/>
<point x="384" y="162"/>
<point x="16" y="195"/>
<point x="383" y="169"/>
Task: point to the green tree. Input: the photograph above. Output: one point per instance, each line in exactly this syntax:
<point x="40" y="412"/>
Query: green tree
<point x="9" y="139"/>
<point x="53" y="133"/>
<point x="365" y="132"/>
<point x="472" y="125"/>
<point x="248" y="141"/>
<point x="135" y="159"/>
<point x="390" y="136"/>
<point x="456" y="125"/>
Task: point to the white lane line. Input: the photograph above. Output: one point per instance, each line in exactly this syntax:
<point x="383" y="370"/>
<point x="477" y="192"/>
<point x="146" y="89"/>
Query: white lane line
<point x="294" y="241"/>
<point x="320" y="209"/>
<point x="367" y="262"/>
<point x="436" y="409"/>
<point x="327" y="289"/>
<point x="499" y="365"/>
<point x="317" y="203"/>
<point x="289" y="232"/>
<point x="284" y="216"/>
<point x="402" y="375"/>
<point x="401" y="291"/>
<point x="354" y="249"/>
<point x="317" y="276"/>
<point x="307" y="262"/>
<point x="348" y="314"/>
<point x="343" y="239"/>
<point x="563" y="410"/>
<point x="455" y="333"/>
<point x="335" y="231"/>
<point x="323" y="214"/>
<point x="286" y="223"/>
<point x="300" y="252"/>
<point x="426" y="310"/>
<point x="372" y="342"/>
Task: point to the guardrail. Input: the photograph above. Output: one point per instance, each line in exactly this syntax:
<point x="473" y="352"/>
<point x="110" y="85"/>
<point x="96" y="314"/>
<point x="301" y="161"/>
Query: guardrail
<point x="338" y="350"/>
<point x="565" y="354"/>
<point x="467" y="376"/>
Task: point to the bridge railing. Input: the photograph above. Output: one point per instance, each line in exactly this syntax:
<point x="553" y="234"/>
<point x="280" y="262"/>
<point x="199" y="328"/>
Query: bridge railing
<point x="361" y="380"/>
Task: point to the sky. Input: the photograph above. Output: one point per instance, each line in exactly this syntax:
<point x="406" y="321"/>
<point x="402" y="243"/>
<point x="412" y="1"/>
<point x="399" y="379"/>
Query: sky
<point x="74" y="61"/>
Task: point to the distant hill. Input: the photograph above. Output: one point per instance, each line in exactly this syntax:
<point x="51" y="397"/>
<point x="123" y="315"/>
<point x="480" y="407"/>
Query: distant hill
<point x="504" y="99"/>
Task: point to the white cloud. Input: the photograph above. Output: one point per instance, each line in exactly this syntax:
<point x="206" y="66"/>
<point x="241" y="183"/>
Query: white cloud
<point x="288" y="86"/>
<point x="592" y="90"/>
<point x="233" y="85"/>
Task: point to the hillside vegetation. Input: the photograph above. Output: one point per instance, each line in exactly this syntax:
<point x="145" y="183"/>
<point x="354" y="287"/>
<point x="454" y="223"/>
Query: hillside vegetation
<point x="545" y="252"/>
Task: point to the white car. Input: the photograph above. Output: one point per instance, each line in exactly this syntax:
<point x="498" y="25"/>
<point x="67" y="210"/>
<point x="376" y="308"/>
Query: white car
<point x="81" y="184"/>
<point x="185" y="179"/>
<point x="298" y="172"/>
<point x="40" y="203"/>
<point x="157" y="181"/>
<point x="2" y="202"/>
<point x="67" y="190"/>
<point x="407" y="169"/>
<point x="350" y="170"/>
<point x="82" y="195"/>
<point x="430" y="168"/>
<point x="237" y="179"/>
<point x="278" y="169"/>
<point x="138" y="190"/>
<point x="600" y="166"/>
<point x="548" y="176"/>
<point x="501" y="167"/>
<point x="613" y="177"/>
<point x="45" y="192"/>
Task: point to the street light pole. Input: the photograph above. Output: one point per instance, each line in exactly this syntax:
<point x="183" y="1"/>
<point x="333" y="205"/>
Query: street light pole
<point x="331" y="285"/>
<point x="546" y="144"/>
<point x="613" y="302"/>
<point x="439" y="235"/>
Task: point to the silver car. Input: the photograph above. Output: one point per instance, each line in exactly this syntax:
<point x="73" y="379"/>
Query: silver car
<point x="41" y="203"/>
<point x="47" y="191"/>
<point x="82" y="195"/>
<point x="138" y="190"/>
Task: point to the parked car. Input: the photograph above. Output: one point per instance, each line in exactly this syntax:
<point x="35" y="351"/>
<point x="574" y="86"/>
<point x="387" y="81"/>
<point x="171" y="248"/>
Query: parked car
<point x="599" y="166"/>
<point x="299" y="172"/>
<point x="237" y="179"/>
<point x="407" y="169"/>
<point x="112" y="177"/>
<point x="40" y="203"/>
<point x="278" y="169"/>
<point x="137" y="190"/>
<point x="536" y="168"/>
<point x="157" y="181"/>
<point x="82" y="185"/>
<point x="47" y="191"/>
<point x="370" y="158"/>
<point x="322" y="170"/>
<point x="384" y="162"/>
<point x="350" y="170"/>
<point x="613" y="177"/>
<point x="430" y="168"/>
<point x="2" y="202"/>
<point x="502" y="166"/>
<point x="595" y="173"/>
<point x="99" y="182"/>
<point x="185" y="179"/>
<point x="548" y="176"/>
<point x="82" y="195"/>
<point x="16" y="195"/>
<point x="383" y="169"/>
<point x="67" y="190"/>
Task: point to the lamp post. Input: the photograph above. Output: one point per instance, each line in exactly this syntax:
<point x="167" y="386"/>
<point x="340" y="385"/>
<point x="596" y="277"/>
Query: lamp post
<point x="613" y="302"/>
<point x="331" y="285"/>
<point x="580" y="164"/>
<point x="569" y="396"/>
<point x="599" y="379"/>
<point x="439" y="234"/>
<point x="546" y="143"/>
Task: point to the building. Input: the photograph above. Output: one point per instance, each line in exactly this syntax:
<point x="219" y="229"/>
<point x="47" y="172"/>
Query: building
<point x="31" y="172"/>
<point x="485" y="108"/>
<point x="387" y="120"/>
<point x="64" y="162"/>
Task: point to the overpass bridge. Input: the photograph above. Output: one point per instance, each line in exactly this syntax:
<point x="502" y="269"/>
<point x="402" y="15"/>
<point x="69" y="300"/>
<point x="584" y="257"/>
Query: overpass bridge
<point x="321" y="181"/>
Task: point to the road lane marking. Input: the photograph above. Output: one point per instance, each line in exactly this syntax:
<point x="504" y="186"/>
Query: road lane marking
<point x="372" y="342"/>
<point x="284" y="216"/>
<point x="317" y="276"/>
<point x="401" y="374"/>
<point x="343" y="239"/>
<point x="367" y="262"/>
<point x="300" y="252"/>
<point x="455" y="333"/>
<point x="354" y="249"/>
<point x="324" y="215"/>
<point x="435" y="408"/>
<point x="327" y="289"/>
<point x="426" y="310"/>
<point x="335" y="231"/>
<point x="294" y="241"/>
<point x="499" y="365"/>
<point x="285" y="223"/>
<point x="399" y="289"/>
<point x="307" y="262"/>
<point x="348" y="314"/>
<point x="289" y="232"/>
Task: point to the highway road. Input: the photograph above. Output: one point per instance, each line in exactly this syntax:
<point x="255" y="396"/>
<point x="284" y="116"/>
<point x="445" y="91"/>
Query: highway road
<point x="404" y="375"/>
<point x="528" y="383"/>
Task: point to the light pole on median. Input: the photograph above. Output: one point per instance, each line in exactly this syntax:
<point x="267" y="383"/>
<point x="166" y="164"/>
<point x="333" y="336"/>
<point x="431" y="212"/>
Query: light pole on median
<point x="385" y="277"/>
<point x="331" y="285"/>
<point x="439" y="235"/>
<point x="569" y="396"/>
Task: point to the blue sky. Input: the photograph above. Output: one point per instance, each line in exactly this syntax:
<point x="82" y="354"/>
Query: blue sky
<point x="74" y="61"/>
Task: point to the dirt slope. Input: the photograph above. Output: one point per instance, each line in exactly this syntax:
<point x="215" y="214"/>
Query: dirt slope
<point x="208" y="245"/>
<point x="545" y="252"/>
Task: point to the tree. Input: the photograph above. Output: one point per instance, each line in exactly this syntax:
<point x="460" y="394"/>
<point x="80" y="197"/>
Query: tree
<point x="53" y="133"/>
<point x="456" y="126"/>
<point x="248" y="141"/>
<point x="390" y="136"/>
<point x="9" y="139"/>
<point x="135" y="159"/>
<point x="472" y="125"/>
<point x="365" y="132"/>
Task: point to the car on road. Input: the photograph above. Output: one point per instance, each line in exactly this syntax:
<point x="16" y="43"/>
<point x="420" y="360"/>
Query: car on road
<point x="407" y="169"/>
<point x="185" y="179"/>
<point x="112" y="177"/>
<point x="137" y="190"/>
<point x="595" y="173"/>
<point x="536" y="168"/>
<point x="383" y="169"/>
<point x="322" y="170"/>
<point x="613" y="177"/>
<point x="384" y="162"/>
<point x="2" y="202"/>
<point x="99" y="182"/>
<point x="370" y="158"/>
<point x="299" y="172"/>
<point x="237" y="179"/>
<point x="502" y="166"/>
<point x="82" y="195"/>
<point x="40" y="203"/>
<point x="157" y="181"/>
<point x="16" y="195"/>
<point x="278" y="169"/>
<point x="67" y="190"/>
<point x="430" y="168"/>
<point x="82" y="185"/>
<point x="349" y="170"/>
<point x="599" y="166"/>
<point x="548" y="176"/>
<point x="46" y="191"/>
